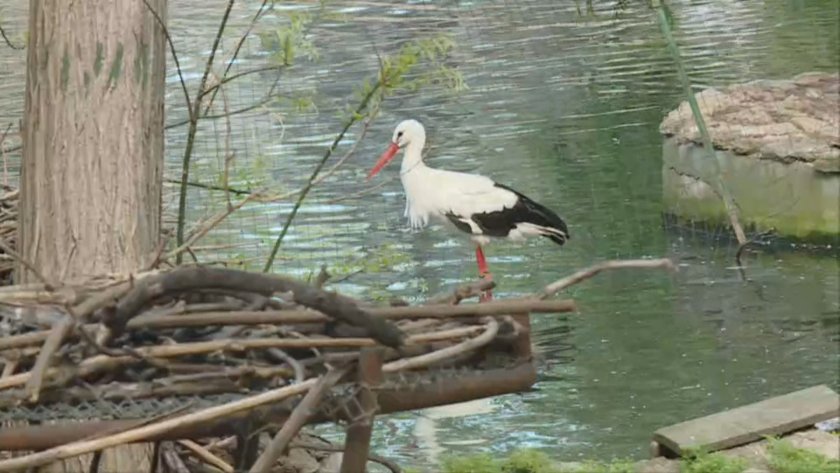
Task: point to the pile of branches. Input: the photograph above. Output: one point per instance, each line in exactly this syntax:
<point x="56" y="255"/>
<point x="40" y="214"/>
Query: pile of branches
<point x="198" y="331"/>
<point x="8" y="231"/>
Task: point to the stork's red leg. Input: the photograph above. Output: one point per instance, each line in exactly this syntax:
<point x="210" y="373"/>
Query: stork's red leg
<point x="483" y="272"/>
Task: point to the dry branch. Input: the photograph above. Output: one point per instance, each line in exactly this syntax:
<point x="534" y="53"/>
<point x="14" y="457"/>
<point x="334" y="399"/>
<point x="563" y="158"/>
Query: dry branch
<point x="499" y="307"/>
<point x="496" y="307"/>
<point x="185" y="279"/>
<point x="303" y="411"/>
<point x="100" y="363"/>
<point x="51" y="344"/>
<point x="490" y="331"/>
<point x="206" y="456"/>
<point x="591" y="271"/>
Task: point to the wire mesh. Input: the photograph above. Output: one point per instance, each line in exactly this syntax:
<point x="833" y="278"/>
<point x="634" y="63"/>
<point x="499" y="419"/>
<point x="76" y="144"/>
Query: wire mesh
<point x="587" y="87"/>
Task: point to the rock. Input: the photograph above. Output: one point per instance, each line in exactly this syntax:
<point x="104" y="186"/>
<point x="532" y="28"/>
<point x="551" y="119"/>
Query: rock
<point x="298" y="461"/>
<point x="785" y="121"/>
<point x="818" y="441"/>
<point x="658" y="465"/>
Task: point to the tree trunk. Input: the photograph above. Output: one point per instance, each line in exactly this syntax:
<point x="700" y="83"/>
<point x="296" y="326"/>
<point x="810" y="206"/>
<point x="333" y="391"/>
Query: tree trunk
<point x="92" y="137"/>
<point x="91" y="181"/>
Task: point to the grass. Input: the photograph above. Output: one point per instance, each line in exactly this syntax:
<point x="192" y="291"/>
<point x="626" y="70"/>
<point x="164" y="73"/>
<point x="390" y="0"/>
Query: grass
<point x="785" y="458"/>
<point x="701" y="462"/>
<point x="528" y="461"/>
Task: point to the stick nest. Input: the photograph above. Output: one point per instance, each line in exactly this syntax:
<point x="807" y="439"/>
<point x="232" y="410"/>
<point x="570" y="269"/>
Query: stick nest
<point x="200" y="331"/>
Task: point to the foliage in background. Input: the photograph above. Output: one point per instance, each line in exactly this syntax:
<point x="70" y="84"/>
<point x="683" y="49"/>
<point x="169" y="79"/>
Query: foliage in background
<point x="396" y="73"/>
<point x="414" y="65"/>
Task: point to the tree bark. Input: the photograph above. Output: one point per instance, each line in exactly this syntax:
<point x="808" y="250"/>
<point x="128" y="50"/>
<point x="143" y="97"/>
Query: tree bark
<point x="90" y="200"/>
<point x="92" y="137"/>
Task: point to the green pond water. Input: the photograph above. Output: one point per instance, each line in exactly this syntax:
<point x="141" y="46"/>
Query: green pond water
<point x="563" y="104"/>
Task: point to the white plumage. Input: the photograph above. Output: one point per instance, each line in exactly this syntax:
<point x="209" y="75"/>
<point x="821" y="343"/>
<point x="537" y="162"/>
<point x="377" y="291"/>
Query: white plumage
<point x="474" y="204"/>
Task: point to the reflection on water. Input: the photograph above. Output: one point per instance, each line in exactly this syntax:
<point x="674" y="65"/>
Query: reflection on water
<point x="565" y="107"/>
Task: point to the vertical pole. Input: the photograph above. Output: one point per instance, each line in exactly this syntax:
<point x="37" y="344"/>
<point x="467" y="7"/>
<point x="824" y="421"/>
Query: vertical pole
<point x="357" y="446"/>
<point x="522" y="345"/>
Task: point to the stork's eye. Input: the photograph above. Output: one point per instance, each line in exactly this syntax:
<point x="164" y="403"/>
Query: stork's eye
<point x="399" y="134"/>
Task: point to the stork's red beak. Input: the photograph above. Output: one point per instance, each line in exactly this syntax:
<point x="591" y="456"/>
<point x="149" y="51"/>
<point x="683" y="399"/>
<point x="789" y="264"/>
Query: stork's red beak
<point x="386" y="157"/>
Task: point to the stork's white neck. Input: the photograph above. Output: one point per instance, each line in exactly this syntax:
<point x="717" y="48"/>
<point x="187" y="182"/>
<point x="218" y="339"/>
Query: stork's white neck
<point x="413" y="157"/>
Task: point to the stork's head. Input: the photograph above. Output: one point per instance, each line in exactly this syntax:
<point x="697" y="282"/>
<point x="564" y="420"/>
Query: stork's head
<point x="406" y="133"/>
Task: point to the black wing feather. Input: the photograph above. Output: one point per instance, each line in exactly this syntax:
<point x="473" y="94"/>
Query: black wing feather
<point x="499" y="223"/>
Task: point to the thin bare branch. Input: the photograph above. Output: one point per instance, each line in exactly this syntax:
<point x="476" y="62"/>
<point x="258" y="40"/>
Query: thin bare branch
<point x="591" y="271"/>
<point x="208" y="225"/>
<point x="206" y="456"/>
<point x="59" y="330"/>
<point x="300" y="415"/>
<point x="211" y="187"/>
<point x="421" y="361"/>
<point x="172" y="50"/>
<point x="262" y="10"/>
<point x="349" y="123"/>
<point x="49" y="286"/>
<point x="7" y="40"/>
<point x="196" y="108"/>
<point x="329" y="172"/>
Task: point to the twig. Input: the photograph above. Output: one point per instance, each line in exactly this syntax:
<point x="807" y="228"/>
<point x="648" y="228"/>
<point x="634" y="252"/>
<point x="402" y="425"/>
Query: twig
<point x="196" y="108"/>
<point x="235" y="54"/>
<point x="7" y="40"/>
<point x="227" y="151"/>
<point x="496" y="307"/>
<point x="490" y="331"/>
<point x="52" y="343"/>
<point x="3" y="152"/>
<point x="322" y="278"/>
<point x="94" y="463"/>
<point x="591" y="271"/>
<point x="172" y="459"/>
<point x="225" y="79"/>
<point x="329" y="172"/>
<point x="291" y="361"/>
<point x="232" y="190"/>
<point x="172" y="50"/>
<point x="17" y="257"/>
<point x="340" y="448"/>
<point x="300" y="415"/>
<point x="158" y="253"/>
<point x="350" y="122"/>
<point x="206" y="456"/>
<point x="362" y="192"/>
<point x="209" y="225"/>
<point x="9" y="368"/>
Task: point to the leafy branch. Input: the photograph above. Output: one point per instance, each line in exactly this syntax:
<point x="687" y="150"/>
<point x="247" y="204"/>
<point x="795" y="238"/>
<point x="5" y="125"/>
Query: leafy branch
<point x="394" y="74"/>
<point x="196" y="108"/>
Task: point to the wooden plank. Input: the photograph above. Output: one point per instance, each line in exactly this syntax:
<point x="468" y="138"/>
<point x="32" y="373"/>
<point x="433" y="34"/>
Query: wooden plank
<point x="752" y="422"/>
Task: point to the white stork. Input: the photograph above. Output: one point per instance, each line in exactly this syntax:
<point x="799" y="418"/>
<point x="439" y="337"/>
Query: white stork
<point x="472" y="203"/>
